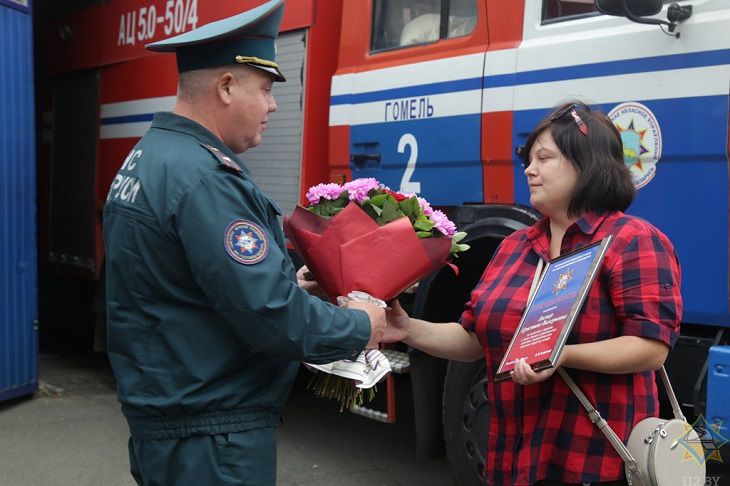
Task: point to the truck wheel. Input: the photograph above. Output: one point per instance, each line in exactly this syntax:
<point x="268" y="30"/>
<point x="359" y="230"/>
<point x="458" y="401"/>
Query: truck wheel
<point x="466" y="420"/>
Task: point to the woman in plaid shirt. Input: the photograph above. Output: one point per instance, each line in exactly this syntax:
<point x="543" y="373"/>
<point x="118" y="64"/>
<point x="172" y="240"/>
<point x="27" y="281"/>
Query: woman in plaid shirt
<point x="538" y="431"/>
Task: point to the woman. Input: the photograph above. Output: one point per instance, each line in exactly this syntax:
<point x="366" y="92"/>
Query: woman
<point x="538" y="431"/>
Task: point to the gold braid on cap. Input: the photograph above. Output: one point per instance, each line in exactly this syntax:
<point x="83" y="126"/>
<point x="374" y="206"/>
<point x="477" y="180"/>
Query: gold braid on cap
<point x="255" y="60"/>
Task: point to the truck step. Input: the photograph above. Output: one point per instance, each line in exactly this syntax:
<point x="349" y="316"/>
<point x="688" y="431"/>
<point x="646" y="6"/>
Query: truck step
<point x="371" y="413"/>
<point x="399" y="361"/>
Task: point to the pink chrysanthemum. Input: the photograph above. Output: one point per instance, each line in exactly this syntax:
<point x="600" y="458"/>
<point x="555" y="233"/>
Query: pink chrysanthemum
<point x="425" y="206"/>
<point x="442" y="223"/>
<point x="323" y="191"/>
<point x="359" y="188"/>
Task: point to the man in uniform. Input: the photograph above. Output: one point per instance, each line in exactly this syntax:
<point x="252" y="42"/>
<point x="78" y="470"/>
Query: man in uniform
<point x="206" y="322"/>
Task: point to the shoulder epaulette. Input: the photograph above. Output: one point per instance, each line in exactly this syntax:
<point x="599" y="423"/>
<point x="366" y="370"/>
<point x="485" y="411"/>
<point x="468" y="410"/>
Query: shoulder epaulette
<point x="222" y="158"/>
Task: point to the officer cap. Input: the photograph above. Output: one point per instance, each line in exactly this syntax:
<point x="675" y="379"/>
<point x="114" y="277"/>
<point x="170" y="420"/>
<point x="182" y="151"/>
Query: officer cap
<point x="246" y="38"/>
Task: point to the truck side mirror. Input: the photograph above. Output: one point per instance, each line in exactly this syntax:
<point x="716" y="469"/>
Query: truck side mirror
<point x="638" y="10"/>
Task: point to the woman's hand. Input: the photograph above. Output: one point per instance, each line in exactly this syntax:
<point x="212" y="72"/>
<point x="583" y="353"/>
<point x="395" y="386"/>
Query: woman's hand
<point x="523" y="373"/>
<point x="398" y="324"/>
<point x="305" y="280"/>
<point x="447" y="340"/>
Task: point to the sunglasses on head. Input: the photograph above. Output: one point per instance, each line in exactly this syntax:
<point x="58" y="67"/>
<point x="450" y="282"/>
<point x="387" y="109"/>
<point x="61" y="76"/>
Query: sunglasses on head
<point x="578" y="120"/>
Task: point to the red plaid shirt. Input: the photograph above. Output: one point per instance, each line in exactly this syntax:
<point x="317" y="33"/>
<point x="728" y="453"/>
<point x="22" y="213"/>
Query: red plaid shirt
<point x="541" y="431"/>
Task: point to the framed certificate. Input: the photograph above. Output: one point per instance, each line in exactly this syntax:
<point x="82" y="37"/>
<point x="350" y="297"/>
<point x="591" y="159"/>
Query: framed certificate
<point x="552" y="309"/>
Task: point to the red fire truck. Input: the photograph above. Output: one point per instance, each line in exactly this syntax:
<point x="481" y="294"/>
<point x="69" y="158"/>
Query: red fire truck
<point x="433" y="97"/>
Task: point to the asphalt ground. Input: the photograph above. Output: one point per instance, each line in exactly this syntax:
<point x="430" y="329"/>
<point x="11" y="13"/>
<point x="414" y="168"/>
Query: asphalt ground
<point x="73" y="433"/>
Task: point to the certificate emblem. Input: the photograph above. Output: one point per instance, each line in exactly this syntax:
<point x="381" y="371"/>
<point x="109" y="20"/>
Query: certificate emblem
<point x="562" y="282"/>
<point x="246" y="242"/>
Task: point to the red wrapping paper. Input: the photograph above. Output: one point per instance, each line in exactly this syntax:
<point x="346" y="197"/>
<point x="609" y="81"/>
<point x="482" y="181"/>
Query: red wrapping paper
<point x="350" y="252"/>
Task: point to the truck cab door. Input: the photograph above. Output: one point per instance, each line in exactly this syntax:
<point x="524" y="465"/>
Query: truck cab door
<point x="407" y="96"/>
<point x="668" y="97"/>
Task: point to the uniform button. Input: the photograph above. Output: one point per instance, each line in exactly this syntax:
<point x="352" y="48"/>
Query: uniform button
<point x="667" y="286"/>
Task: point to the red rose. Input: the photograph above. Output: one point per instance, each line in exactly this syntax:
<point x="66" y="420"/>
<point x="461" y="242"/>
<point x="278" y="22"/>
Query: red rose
<point x="397" y="195"/>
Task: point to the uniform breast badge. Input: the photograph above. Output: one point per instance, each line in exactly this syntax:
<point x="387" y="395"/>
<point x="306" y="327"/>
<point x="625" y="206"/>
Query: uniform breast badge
<point x="246" y="242"/>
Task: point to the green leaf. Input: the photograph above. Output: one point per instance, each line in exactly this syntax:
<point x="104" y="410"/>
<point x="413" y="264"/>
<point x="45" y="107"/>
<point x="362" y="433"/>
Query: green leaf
<point x="458" y="236"/>
<point x="457" y="247"/>
<point x="327" y="208"/>
<point x="410" y="208"/>
<point x="323" y="210"/>
<point x="372" y="211"/>
<point x="423" y="223"/>
<point x="390" y="212"/>
<point x="374" y="192"/>
<point x="424" y="234"/>
<point x="379" y="200"/>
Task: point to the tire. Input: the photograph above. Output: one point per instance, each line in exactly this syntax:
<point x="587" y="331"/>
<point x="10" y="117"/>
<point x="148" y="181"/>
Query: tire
<point x="466" y="420"/>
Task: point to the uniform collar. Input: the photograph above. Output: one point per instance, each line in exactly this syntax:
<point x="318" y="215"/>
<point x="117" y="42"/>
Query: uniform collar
<point x="166" y="120"/>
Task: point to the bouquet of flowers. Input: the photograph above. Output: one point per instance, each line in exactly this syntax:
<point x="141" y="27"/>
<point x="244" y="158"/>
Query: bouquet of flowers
<point x="362" y="237"/>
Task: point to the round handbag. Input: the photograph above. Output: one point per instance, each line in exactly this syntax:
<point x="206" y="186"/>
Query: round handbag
<point x="659" y="452"/>
<point x="667" y="452"/>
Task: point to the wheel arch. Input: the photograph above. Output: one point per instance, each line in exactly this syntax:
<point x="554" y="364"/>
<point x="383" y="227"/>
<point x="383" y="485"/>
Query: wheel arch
<point x="441" y="297"/>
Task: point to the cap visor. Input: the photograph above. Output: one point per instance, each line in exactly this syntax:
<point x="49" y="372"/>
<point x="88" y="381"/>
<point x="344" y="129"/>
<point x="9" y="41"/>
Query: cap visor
<point x="272" y="70"/>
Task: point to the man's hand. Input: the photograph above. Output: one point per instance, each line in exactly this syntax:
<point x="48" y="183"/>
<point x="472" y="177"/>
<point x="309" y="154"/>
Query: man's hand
<point x="305" y="280"/>
<point x="377" y="320"/>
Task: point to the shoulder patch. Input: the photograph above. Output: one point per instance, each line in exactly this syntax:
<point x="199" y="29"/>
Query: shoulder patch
<point x="246" y="242"/>
<point x="222" y="158"/>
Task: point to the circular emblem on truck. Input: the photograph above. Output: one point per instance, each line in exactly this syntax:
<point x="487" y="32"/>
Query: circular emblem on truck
<point x="642" y="140"/>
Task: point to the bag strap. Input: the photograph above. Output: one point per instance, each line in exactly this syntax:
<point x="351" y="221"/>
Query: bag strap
<point x="593" y="414"/>
<point x="595" y="417"/>
<point x="536" y="278"/>
<point x="676" y="410"/>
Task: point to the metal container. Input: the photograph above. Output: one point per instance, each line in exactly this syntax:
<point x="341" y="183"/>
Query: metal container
<point x="18" y="260"/>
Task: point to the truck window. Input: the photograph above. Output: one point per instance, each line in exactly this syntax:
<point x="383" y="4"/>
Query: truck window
<point x="400" y="23"/>
<point x="559" y="10"/>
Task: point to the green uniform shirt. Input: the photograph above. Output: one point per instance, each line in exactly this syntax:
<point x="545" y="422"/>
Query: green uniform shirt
<point x="206" y="323"/>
